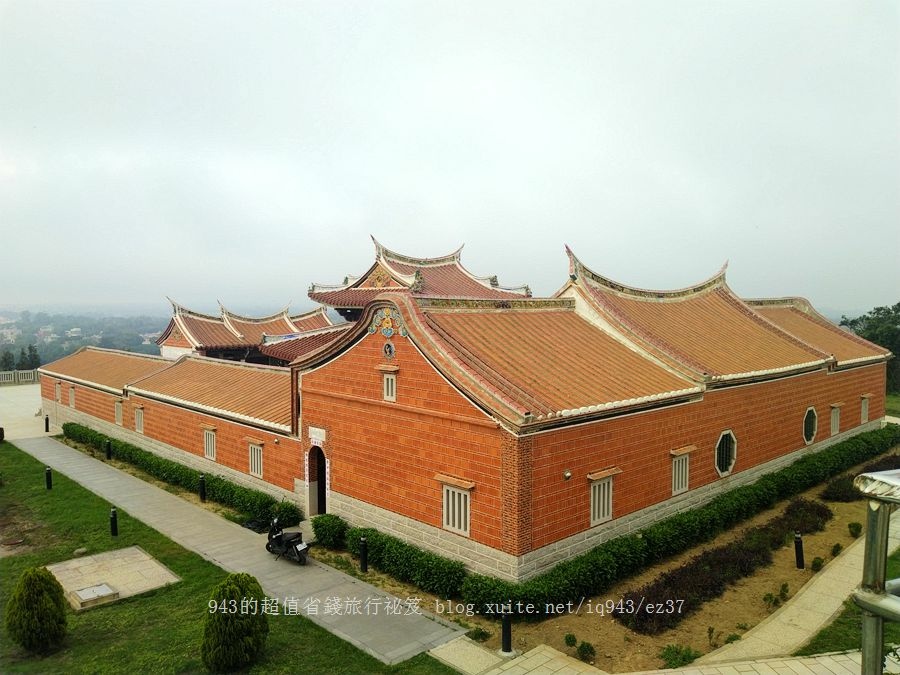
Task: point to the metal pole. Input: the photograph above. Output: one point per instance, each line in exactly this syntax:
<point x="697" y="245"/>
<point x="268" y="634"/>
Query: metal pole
<point x="798" y="550"/>
<point x="113" y="522"/>
<point x="46" y="424"/>
<point x="48" y="477"/>
<point x="108" y="449"/>
<point x="874" y="570"/>
<point x="202" y="488"/>
<point x="363" y="555"/>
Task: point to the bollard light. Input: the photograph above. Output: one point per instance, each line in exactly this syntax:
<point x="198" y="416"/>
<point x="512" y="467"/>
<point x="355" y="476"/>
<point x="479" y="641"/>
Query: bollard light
<point x="108" y="449"/>
<point x="363" y="555"/>
<point x="798" y="550"/>
<point x="48" y="477"/>
<point x="46" y="424"/>
<point x="113" y="522"/>
<point x="202" y="488"/>
<point x="506" y="634"/>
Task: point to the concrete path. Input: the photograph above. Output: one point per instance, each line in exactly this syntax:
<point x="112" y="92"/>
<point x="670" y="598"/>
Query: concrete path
<point x="19" y="406"/>
<point x="389" y="628"/>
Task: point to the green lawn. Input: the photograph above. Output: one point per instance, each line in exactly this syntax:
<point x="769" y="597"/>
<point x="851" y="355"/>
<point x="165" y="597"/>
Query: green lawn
<point x="845" y="632"/>
<point x="892" y="405"/>
<point x="159" y="631"/>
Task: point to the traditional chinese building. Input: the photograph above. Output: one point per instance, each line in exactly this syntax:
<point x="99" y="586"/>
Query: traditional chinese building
<point x="507" y="431"/>
<point x="232" y="336"/>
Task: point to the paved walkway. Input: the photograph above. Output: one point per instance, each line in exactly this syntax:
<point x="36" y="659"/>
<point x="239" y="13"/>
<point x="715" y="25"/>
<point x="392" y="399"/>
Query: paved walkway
<point x="379" y="624"/>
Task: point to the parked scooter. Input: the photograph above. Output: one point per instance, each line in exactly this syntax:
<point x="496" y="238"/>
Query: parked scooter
<point x="289" y="545"/>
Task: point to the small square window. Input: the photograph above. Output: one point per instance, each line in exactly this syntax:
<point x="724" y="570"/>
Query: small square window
<point x="680" y="474"/>
<point x="139" y="420"/>
<point x="209" y="444"/>
<point x="119" y="413"/>
<point x="456" y="510"/>
<point x="390" y="387"/>
<point x="256" y="460"/>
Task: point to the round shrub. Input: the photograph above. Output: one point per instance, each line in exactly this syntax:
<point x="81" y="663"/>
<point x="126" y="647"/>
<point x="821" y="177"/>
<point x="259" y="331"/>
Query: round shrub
<point x="586" y="651"/>
<point x="236" y="626"/>
<point x="571" y="640"/>
<point x="855" y="529"/>
<point x="287" y="513"/>
<point x="817" y="564"/>
<point x="36" y="612"/>
<point x="330" y="530"/>
<point x="836" y="549"/>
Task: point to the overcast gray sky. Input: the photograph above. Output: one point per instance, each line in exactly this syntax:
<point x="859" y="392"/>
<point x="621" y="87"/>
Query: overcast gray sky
<point x="241" y="150"/>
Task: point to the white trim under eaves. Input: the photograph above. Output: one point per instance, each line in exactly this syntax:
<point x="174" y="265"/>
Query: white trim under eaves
<point x="770" y="371"/>
<point x="215" y="412"/>
<point x="863" y="359"/>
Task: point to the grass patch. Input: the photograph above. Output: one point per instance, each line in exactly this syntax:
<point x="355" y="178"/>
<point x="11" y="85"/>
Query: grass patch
<point x="159" y="631"/>
<point x="845" y="632"/>
<point x="892" y="405"/>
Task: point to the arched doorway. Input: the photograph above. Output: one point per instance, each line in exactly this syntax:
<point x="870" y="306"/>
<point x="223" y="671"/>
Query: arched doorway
<point x="317" y="480"/>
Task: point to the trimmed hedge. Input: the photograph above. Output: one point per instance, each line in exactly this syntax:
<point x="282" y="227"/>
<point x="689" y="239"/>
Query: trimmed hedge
<point x="683" y="590"/>
<point x="595" y="571"/>
<point x="841" y="489"/>
<point x="404" y="562"/>
<point x="254" y="503"/>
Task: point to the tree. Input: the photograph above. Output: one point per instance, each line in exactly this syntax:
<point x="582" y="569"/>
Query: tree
<point x="22" y="363"/>
<point x="34" y="361"/>
<point x="7" y="360"/>
<point x="236" y="626"/>
<point x="36" y="613"/>
<point x="881" y="326"/>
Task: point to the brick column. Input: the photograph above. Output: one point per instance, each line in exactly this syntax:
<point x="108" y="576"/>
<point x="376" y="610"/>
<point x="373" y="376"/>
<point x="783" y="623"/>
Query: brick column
<point x="515" y="494"/>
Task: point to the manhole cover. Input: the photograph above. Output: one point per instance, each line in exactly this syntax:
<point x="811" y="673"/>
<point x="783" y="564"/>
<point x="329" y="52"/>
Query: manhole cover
<point x="93" y="595"/>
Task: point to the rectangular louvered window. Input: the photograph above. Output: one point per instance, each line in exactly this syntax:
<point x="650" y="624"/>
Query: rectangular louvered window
<point x="864" y="410"/>
<point x="256" y="460"/>
<point x="835" y="421"/>
<point x="119" y="413"/>
<point x="456" y="510"/>
<point x="139" y="420"/>
<point x="601" y="501"/>
<point x="390" y="387"/>
<point x="680" y="479"/>
<point x="209" y="444"/>
<point x="58" y="392"/>
<point x="71" y="397"/>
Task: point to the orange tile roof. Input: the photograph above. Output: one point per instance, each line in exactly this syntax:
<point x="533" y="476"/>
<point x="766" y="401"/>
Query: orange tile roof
<point x="797" y="317"/>
<point x="423" y="277"/>
<point x="314" y="320"/>
<point x="108" y="368"/>
<point x="251" y="393"/>
<point x="297" y="347"/>
<point x="552" y="360"/>
<point x="706" y="328"/>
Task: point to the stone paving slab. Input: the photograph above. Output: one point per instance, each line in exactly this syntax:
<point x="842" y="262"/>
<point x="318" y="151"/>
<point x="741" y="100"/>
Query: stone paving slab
<point x="392" y="635"/>
<point x="127" y="571"/>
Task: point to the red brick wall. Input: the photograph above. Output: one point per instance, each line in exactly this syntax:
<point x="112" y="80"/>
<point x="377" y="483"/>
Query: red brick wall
<point x="90" y="401"/>
<point x="181" y="428"/>
<point x="767" y="420"/>
<point x="387" y="454"/>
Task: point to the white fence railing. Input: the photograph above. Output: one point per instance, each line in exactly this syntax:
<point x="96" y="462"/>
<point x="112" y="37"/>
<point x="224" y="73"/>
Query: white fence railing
<point x="18" y="376"/>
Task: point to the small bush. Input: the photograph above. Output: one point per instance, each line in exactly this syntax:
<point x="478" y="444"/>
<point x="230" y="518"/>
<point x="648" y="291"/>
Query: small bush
<point x="675" y="656"/>
<point x="784" y="591"/>
<point x="330" y="530"/>
<point x="733" y="637"/>
<point x="571" y="640"/>
<point x="836" y="550"/>
<point x="817" y="564"/>
<point x="855" y="529"/>
<point x="841" y="490"/>
<point x="586" y="652"/>
<point x="287" y="513"/>
<point x="36" y="612"/>
<point x="478" y="634"/>
<point x="236" y="627"/>
<point x="772" y="601"/>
